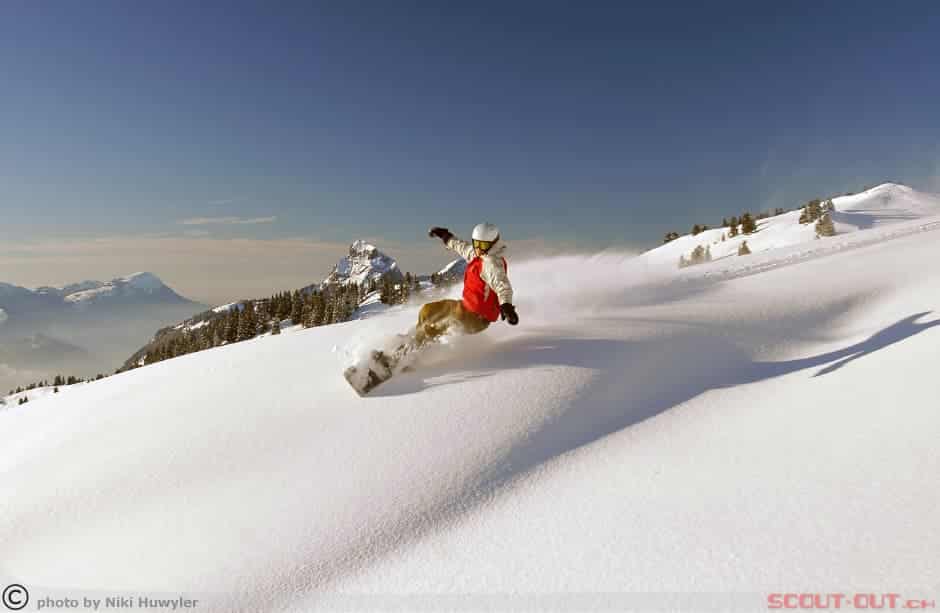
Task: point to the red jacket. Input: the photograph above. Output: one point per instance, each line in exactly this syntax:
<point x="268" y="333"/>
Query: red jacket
<point x="477" y="295"/>
<point x="485" y="282"/>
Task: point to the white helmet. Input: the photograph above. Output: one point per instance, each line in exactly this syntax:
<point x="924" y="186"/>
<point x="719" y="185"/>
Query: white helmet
<point x="486" y="232"/>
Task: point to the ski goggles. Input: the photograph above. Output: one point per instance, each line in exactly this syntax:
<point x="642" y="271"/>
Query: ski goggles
<point x="483" y="245"/>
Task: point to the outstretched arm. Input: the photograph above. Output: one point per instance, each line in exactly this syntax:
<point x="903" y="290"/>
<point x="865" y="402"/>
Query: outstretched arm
<point x="462" y="248"/>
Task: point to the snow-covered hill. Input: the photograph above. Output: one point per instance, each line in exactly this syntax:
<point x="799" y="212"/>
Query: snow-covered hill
<point x="885" y="204"/>
<point x="880" y="206"/>
<point x="641" y="437"/>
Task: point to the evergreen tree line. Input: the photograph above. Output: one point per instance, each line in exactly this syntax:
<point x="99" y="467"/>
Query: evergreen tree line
<point x="400" y="293"/>
<point x="248" y="319"/>
<point x="747" y="224"/>
<point x="57" y="382"/>
<point x="443" y="280"/>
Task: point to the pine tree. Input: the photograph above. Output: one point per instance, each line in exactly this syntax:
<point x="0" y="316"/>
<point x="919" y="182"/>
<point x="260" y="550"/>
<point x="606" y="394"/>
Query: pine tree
<point x="744" y="249"/>
<point x="825" y="227"/>
<point x="811" y="212"/>
<point x="246" y="322"/>
<point x="387" y="294"/>
<point x="748" y="225"/>
<point x="296" y="309"/>
<point x="670" y="236"/>
<point x="231" y="325"/>
<point x="276" y="328"/>
<point x="317" y="310"/>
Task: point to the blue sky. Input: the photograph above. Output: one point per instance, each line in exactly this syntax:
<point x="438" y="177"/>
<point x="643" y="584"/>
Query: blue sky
<point x="595" y="123"/>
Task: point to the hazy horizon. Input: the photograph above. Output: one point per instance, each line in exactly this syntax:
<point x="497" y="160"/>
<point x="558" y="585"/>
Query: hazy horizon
<point x="181" y="126"/>
<point x="217" y="271"/>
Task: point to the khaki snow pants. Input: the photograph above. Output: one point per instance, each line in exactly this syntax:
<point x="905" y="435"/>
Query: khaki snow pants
<point x="436" y="318"/>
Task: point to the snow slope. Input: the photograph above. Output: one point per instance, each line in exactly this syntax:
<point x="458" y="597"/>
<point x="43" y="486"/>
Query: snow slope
<point x="880" y="206"/>
<point x="642" y="438"/>
<point x="885" y="204"/>
<point x="35" y="394"/>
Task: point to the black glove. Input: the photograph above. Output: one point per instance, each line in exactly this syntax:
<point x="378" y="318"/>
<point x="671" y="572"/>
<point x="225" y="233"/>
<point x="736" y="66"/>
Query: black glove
<point x="508" y="312"/>
<point x="441" y="233"/>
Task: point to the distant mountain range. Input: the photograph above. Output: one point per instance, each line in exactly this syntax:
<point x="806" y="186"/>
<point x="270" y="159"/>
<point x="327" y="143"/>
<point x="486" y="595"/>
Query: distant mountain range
<point x="142" y="288"/>
<point x="81" y="328"/>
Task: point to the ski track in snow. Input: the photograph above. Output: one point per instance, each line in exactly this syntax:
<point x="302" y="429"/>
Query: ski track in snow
<point x="642" y="430"/>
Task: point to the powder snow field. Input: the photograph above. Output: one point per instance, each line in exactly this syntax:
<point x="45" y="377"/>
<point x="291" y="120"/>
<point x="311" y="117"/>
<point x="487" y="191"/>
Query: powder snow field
<point x="644" y="440"/>
<point x="885" y="205"/>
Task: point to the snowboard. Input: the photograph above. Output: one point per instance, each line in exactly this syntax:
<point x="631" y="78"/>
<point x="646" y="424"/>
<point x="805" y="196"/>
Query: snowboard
<point x="380" y="365"/>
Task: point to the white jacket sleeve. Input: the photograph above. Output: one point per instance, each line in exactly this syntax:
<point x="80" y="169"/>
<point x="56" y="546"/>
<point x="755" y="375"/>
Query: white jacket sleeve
<point x="494" y="274"/>
<point x="461" y="248"/>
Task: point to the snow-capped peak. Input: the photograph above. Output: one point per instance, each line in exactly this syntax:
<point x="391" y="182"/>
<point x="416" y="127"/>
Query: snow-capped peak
<point x="137" y="284"/>
<point x="361" y="246"/>
<point x="142" y="280"/>
<point x="363" y="264"/>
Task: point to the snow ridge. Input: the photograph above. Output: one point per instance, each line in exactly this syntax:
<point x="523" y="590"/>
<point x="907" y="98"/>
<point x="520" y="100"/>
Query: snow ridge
<point x="884" y="205"/>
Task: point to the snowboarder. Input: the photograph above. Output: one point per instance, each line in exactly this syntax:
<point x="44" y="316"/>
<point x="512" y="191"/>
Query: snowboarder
<point x="487" y="293"/>
<point x="487" y="296"/>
